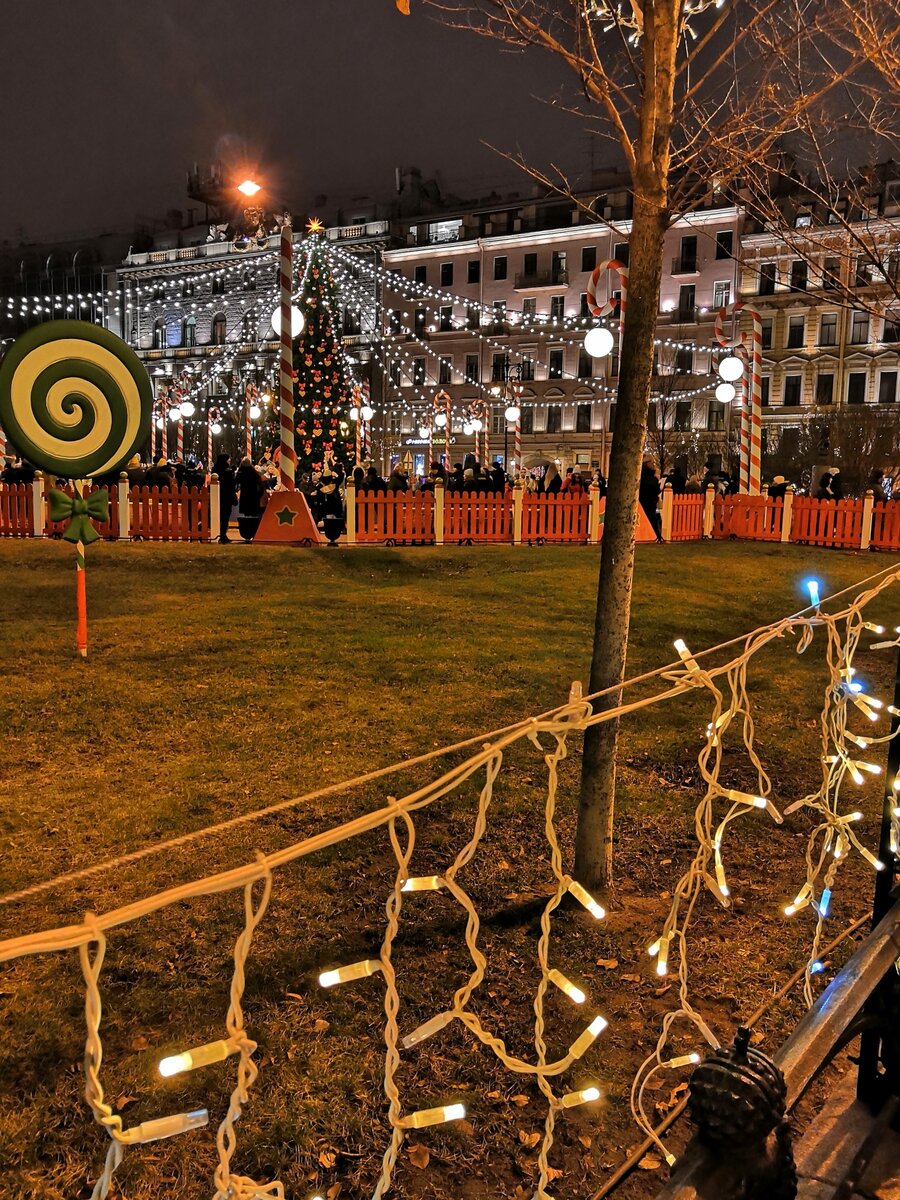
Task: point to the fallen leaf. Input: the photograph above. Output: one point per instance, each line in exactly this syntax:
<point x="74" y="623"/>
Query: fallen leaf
<point x="322" y="1026"/>
<point x="632" y="978"/>
<point x="608" y="964"/>
<point x="529" y="1139"/>
<point x="520" y="1101"/>
<point x="650" y="1162"/>
<point x="419" y="1155"/>
<point x="334" y="1191"/>
<point x="123" y="1102"/>
<point x="554" y="1173"/>
<point x="327" y="1157"/>
<point x="585" y="1140"/>
<point x="139" y="1042"/>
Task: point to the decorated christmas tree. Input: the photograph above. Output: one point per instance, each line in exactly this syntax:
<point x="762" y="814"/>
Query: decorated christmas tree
<point x="322" y="383"/>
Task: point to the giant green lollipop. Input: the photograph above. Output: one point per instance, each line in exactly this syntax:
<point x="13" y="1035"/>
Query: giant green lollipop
<point x="76" y="401"/>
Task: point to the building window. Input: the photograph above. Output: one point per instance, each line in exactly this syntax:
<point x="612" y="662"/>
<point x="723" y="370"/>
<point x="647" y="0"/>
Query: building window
<point x="796" y="332"/>
<point x="446" y="322"/>
<point x="395" y="375"/>
<point x="652" y="417"/>
<point x="891" y="330"/>
<point x="721" y="293"/>
<point x="471" y="375"/>
<point x="249" y="282"/>
<point x="767" y="333"/>
<point x="217" y="330"/>
<point x="527" y="420"/>
<point x="856" y="387"/>
<point x="583" y="418"/>
<point x="395" y="423"/>
<point x="687" y="299"/>
<point x="500" y="266"/>
<point x="187" y="289"/>
<point x="189" y="331"/>
<point x="419" y="321"/>
<point x="724" y="243"/>
<point x="768" y="273"/>
<point x="684" y="361"/>
<point x="585" y="364"/>
<point x="799" y="275"/>
<point x="824" y="389"/>
<point x="584" y="311"/>
<point x="792" y="386"/>
<point x="764" y="386"/>
<point x="863" y="263"/>
<point x="622" y="252"/>
<point x="499" y="315"/>
<point x="498" y="421"/>
<point x="554" y="415"/>
<point x="588" y="258"/>
<point x="527" y="368"/>
<point x="473" y="318"/>
<point x="859" y="329"/>
<point x="831" y="273"/>
<point x="828" y="329"/>
<point x="529" y="265"/>
<point x="715" y="417"/>
<point x="447" y="274"/>
<point x="418" y="371"/>
<point x="558" y="273"/>
<point x="445" y="369"/>
<point x="218" y="285"/>
<point x="473" y="270"/>
<point x="352" y="324"/>
<point x="555" y="369"/>
<point x="557" y="308"/>
<point x="682" y="420"/>
<point x="887" y="387"/>
<point x="159" y="334"/>
<point x="498" y="368"/>
<point x="420" y="274"/>
<point x="529" y="308"/>
<point x="687" y="263"/>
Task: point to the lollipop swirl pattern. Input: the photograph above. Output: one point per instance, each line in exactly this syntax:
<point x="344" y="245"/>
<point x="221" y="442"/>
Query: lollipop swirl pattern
<point x="74" y="399"/>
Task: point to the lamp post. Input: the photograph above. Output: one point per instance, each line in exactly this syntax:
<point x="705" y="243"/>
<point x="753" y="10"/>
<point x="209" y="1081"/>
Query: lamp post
<point x="442" y="419"/>
<point x="509" y="394"/>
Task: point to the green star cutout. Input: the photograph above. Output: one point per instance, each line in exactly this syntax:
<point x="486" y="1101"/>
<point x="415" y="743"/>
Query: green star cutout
<point x="286" y="516"/>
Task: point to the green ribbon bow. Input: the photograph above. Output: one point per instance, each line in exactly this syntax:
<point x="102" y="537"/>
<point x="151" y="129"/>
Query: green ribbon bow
<point x="80" y="509"/>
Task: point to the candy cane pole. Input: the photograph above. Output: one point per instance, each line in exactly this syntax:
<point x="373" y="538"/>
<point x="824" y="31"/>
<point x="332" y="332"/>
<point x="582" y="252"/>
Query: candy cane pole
<point x="518" y="451"/>
<point x="603" y="310"/>
<point x="164" y="413"/>
<point x="2" y="443"/>
<point x="153" y="419"/>
<point x="744" y="476"/>
<point x="751" y="443"/>
<point x="211" y="414"/>
<point x="486" y="433"/>
<point x="288" y="461"/>
<point x="249" y="397"/>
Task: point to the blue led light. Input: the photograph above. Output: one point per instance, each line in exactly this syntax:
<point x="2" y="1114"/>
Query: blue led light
<point x="812" y="586"/>
<point x="824" y="902"/>
<point x="817" y="968"/>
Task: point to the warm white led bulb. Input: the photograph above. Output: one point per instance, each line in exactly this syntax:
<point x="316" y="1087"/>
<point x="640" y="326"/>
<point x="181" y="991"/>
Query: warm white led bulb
<point x="434" y="1116"/>
<point x="583" y="896"/>
<point x="587" y="1038"/>
<point x="358" y="970"/>
<point x="202" y="1056"/>
<point x="566" y="985"/>
<point x="423" y="883"/>
<point x="586" y="1096"/>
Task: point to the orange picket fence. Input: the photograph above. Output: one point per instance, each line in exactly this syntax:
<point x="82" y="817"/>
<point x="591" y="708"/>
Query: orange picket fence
<point x="836" y="523"/>
<point x="395" y="518"/>
<point x="108" y="529"/>
<point x="885" y="526"/>
<point x="555" y="518"/>
<point x="178" y="514"/>
<point x="749" y="518"/>
<point x="16" y="510"/>
<point x="687" y="518"/>
<point x="478" y="517"/>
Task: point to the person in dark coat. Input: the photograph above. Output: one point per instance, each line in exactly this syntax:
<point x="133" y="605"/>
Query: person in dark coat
<point x="374" y="482"/>
<point x="677" y="480"/>
<point x="648" y="498"/>
<point x="251" y="488"/>
<point x="227" y="494"/>
<point x="456" y="480"/>
<point x="778" y="488"/>
<point x="136" y="473"/>
<point x="398" y="481"/>
<point x="471" y="485"/>
<point x="159" y="475"/>
<point x="823" y="491"/>
<point x="551" y="483"/>
<point x="837" y="484"/>
<point x="330" y="507"/>
<point x="498" y="478"/>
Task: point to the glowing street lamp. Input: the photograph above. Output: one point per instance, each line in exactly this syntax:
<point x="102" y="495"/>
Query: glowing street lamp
<point x="249" y="187"/>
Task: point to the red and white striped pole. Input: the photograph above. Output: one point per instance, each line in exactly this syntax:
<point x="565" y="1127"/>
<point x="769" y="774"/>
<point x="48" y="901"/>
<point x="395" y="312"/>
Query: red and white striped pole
<point x="744" y="477"/>
<point x="251" y="394"/>
<point x="153" y="419"/>
<point x="751" y="447"/>
<point x="603" y="310"/>
<point x="180" y="428"/>
<point x="2" y="443"/>
<point x="288" y="462"/>
<point x="164" y="413"/>
<point x="211" y="415"/>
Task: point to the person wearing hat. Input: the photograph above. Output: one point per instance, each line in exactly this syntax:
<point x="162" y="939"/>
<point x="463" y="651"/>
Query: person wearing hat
<point x="136" y="473"/>
<point x="159" y="475"/>
<point x="778" y="488"/>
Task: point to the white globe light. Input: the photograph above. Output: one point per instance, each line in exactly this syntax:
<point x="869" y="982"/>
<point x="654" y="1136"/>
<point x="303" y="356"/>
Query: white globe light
<point x="513" y="412"/>
<point x="367" y="412"/>
<point x="731" y="368"/>
<point x="440" y="420"/>
<point x="476" y="423"/>
<point x="725" y="392"/>
<point x="599" y="341"/>
<point x="159" y="422"/>
<point x="217" y="428"/>
<point x="423" y="431"/>
<point x="467" y="429"/>
<point x="297" y="321"/>
<point x="175" y="413"/>
<point x="187" y="409"/>
<point x="255" y="412"/>
<point x="354" y="413"/>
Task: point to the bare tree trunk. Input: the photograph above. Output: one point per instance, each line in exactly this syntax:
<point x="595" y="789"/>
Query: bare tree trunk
<point x="594" y="839"/>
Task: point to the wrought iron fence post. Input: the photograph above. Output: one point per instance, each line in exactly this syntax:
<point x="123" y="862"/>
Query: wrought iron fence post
<point x="879" y="1050"/>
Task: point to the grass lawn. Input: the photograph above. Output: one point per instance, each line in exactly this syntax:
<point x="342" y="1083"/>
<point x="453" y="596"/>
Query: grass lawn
<point x="221" y="679"/>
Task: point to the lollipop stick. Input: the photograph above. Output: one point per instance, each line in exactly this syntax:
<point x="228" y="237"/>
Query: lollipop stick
<point x="80" y="594"/>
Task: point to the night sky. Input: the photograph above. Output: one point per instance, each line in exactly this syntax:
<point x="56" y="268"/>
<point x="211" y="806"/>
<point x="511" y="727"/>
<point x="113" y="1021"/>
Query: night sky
<point x="108" y="102"/>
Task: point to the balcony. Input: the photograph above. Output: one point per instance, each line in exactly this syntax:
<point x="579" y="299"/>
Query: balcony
<point x="350" y="233"/>
<point x="532" y="280"/>
<point x="684" y="265"/>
